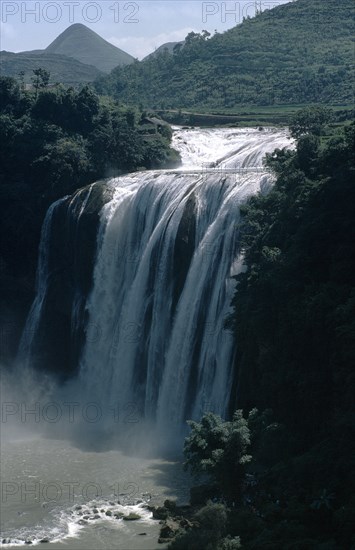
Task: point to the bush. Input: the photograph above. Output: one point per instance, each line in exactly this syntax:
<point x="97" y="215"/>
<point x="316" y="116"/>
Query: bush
<point x="219" y="449"/>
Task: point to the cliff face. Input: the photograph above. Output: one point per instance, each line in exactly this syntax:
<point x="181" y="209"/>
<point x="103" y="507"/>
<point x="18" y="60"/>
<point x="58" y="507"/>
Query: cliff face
<point x="67" y="258"/>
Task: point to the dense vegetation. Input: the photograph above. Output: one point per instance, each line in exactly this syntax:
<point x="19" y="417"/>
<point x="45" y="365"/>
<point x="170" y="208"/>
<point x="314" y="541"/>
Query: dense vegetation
<point x="300" y="52"/>
<point x="287" y="476"/>
<point x="55" y="141"/>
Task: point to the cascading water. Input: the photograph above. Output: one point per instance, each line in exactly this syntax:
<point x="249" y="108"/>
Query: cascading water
<point x="167" y="250"/>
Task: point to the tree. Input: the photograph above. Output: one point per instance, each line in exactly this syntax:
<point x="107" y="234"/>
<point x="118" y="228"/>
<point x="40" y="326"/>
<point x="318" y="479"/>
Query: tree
<point x="309" y="120"/>
<point x="40" y="79"/>
<point x="9" y="93"/>
<point x="22" y="80"/>
<point x="219" y="449"/>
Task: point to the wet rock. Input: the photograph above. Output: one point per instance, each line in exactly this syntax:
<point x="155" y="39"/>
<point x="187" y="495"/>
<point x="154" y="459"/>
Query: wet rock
<point x="118" y="515"/>
<point x="44" y="540"/>
<point x="85" y="517"/>
<point x="141" y="534"/>
<point x="132" y="516"/>
<point x="96" y="516"/>
<point x="159" y="512"/>
<point x="102" y="510"/>
<point x="95" y="510"/>
<point x="108" y="513"/>
<point x="78" y="507"/>
<point x="112" y="503"/>
<point x="82" y="522"/>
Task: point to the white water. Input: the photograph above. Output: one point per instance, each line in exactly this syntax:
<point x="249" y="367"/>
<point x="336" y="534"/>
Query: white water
<point x="172" y="364"/>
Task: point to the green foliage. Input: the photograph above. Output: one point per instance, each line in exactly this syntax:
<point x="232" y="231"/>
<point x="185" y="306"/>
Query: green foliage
<point x="219" y="449"/>
<point x="212" y="523"/>
<point x="309" y="120"/>
<point x="213" y="517"/>
<point x="230" y="543"/>
<point x="296" y="53"/>
<point x="40" y="79"/>
<point x="9" y="93"/>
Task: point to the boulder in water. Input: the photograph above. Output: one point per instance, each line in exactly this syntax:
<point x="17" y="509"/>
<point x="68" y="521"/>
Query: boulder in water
<point x="132" y="516"/>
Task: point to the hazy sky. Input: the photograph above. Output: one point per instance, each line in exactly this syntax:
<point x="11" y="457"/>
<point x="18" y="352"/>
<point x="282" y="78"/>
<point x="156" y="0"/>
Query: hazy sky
<point x="138" y="27"/>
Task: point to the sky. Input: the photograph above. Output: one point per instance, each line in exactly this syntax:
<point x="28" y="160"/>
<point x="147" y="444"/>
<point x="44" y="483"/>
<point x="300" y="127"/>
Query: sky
<point x="137" y="27"/>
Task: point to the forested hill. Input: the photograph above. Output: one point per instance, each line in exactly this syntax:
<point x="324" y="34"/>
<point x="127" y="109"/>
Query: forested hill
<point x="296" y="53"/>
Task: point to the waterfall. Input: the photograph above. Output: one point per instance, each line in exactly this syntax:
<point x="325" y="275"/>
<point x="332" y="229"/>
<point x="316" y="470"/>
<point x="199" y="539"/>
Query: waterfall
<point x="166" y="251"/>
<point x="163" y="279"/>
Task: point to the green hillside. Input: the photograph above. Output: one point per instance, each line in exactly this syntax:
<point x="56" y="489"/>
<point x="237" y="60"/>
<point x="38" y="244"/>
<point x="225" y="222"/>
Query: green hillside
<point x="83" y="44"/>
<point x="296" y="53"/>
<point x="63" y="69"/>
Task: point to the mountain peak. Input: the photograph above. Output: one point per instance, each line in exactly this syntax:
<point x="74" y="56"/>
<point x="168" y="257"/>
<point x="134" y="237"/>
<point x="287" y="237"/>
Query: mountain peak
<point x="85" y="45"/>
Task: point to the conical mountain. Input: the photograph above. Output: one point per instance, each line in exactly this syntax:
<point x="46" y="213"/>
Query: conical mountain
<point x="85" y="45"/>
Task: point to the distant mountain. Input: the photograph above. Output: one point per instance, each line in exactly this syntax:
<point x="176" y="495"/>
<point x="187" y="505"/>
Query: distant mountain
<point x="168" y="46"/>
<point x="85" y="45"/>
<point x="63" y="69"/>
<point x="296" y="53"/>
